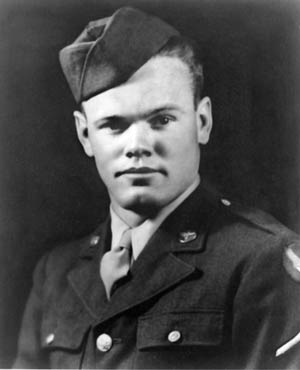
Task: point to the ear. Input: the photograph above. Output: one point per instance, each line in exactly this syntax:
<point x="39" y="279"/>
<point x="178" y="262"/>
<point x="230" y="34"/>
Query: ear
<point x="82" y="132"/>
<point x="204" y="120"/>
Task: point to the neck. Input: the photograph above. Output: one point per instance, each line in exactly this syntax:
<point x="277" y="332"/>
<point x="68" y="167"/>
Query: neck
<point x="130" y="217"/>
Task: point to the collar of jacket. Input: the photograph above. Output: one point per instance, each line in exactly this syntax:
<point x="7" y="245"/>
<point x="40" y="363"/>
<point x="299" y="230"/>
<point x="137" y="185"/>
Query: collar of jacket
<point x="158" y="267"/>
<point x="194" y="215"/>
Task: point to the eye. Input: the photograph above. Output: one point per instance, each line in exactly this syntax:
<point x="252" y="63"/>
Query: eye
<point x="162" y="120"/>
<point x="115" y="125"/>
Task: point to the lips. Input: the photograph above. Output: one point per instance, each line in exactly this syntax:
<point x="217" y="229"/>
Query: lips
<point x="139" y="171"/>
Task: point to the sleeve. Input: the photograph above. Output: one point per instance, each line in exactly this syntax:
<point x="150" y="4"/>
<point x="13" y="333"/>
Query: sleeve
<point x="266" y="329"/>
<point x="29" y="353"/>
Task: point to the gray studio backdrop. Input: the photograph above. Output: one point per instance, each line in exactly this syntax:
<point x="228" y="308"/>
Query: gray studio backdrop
<point x="50" y="191"/>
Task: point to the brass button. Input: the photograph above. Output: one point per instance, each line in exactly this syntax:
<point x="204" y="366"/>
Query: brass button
<point x="226" y="202"/>
<point x="50" y="338"/>
<point x="291" y="262"/>
<point x="94" y="240"/>
<point x="174" y="336"/>
<point x="104" y="342"/>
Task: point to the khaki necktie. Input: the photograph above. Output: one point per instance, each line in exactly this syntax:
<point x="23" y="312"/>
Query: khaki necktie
<point x="115" y="264"/>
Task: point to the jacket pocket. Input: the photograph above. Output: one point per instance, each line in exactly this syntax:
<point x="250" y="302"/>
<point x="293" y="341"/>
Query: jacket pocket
<point x="63" y="342"/>
<point x="199" y="328"/>
<point x="62" y="334"/>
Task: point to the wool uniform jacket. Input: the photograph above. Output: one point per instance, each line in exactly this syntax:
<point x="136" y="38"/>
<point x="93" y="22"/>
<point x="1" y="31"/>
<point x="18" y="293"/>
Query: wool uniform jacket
<point x="215" y="287"/>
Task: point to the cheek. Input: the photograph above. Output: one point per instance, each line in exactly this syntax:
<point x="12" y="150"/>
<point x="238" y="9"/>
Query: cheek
<point x="103" y="149"/>
<point x="182" y="146"/>
<point x="185" y="155"/>
<point x="103" y="160"/>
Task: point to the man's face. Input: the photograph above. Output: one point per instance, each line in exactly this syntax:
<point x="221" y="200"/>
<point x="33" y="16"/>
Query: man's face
<point x="145" y="135"/>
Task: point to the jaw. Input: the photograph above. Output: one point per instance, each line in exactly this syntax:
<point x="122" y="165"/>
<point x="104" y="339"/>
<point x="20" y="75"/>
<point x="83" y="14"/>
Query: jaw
<point x="145" y="196"/>
<point x="141" y="200"/>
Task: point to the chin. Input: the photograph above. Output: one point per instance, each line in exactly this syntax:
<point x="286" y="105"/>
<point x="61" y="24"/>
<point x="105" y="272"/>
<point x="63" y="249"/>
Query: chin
<point x="142" y="201"/>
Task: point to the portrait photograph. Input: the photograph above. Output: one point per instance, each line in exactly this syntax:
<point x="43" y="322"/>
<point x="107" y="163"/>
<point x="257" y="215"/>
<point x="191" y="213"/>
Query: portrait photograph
<point x="150" y="184"/>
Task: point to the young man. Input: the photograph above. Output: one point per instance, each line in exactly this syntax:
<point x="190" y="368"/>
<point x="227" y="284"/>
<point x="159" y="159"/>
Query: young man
<point x="175" y="277"/>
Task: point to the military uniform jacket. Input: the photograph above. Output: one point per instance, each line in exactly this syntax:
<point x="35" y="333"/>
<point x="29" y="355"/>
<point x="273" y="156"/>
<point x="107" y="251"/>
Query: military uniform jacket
<point x="211" y="289"/>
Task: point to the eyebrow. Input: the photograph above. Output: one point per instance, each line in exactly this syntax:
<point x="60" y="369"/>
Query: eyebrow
<point x="168" y="107"/>
<point x="148" y="113"/>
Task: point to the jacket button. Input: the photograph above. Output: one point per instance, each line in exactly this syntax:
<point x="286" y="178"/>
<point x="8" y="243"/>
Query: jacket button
<point x="226" y="202"/>
<point x="291" y="262"/>
<point x="49" y="339"/>
<point x="104" y="342"/>
<point x="174" y="336"/>
<point x="94" y="240"/>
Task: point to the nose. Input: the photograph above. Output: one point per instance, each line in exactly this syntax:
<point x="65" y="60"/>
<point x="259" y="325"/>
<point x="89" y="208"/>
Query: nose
<point x="138" y="141"/>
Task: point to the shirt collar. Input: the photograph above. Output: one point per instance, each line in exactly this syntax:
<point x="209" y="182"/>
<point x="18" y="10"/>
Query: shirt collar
<point x="142" y="233"/>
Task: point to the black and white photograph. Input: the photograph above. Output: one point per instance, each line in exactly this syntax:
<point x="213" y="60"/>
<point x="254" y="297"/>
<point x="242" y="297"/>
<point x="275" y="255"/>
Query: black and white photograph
<point x="150" y="184"/>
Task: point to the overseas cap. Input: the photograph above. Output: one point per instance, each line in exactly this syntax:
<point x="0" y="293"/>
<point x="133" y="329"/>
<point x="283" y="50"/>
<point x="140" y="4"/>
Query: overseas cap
<point x="110" y="50"/>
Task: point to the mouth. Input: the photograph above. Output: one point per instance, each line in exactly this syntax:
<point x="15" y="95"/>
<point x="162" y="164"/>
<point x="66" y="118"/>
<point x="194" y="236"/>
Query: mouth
<point x="139" y="171"/>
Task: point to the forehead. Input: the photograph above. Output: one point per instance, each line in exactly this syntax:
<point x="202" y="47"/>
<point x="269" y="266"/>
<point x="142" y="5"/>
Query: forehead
<point x="161" y="81"/>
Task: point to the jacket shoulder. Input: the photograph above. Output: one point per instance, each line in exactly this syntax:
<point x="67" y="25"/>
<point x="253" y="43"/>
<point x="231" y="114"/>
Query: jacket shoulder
<point x="255" y="219"/>
<point x="249" y="233"/>
<point x="63" y="255"/>
<point x="56" y="263"/>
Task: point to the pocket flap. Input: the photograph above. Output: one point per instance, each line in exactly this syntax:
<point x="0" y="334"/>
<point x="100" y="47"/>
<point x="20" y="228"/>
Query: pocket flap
<point x="63" y="334"/>
<point x="203" y="328"/>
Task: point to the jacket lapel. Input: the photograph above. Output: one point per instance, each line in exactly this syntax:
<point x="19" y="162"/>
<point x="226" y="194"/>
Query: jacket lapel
<point x="159" y="266"/>
<point x="85" y="275"/>
<point x="155" y="271"/>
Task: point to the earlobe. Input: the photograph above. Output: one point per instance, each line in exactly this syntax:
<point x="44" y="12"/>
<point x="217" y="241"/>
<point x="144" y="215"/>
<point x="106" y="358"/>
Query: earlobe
<point x="82" y="132"/>
<point x="204" y="120"/>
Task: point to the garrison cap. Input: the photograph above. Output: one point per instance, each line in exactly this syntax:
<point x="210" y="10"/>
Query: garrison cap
<point x="110" y="50"/>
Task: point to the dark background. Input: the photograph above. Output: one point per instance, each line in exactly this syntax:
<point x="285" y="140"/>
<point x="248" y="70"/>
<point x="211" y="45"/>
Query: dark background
<point x="50" y="191"/>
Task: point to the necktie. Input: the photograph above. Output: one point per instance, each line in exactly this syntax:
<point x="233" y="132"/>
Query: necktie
<point x="115" y="264"/>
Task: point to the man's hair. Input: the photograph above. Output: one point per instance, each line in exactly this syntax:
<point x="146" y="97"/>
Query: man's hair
<point x="187" y="51"/>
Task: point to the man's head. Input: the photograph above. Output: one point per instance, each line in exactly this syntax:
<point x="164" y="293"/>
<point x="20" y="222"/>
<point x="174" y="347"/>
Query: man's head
<point x="145" y="131"/>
